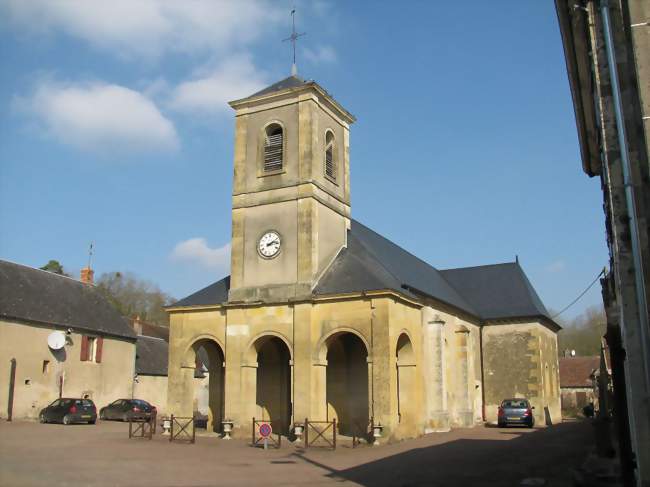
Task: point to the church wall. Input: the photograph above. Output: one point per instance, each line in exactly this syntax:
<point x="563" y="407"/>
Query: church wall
<point x="185" y="328"/>
<point x="520" y="360"/>
<point x="406" y="374"/>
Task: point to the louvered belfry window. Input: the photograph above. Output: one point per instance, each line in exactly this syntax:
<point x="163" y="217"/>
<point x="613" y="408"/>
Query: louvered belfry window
<point x="273" y="148"/>
<point x="330" y="166"/>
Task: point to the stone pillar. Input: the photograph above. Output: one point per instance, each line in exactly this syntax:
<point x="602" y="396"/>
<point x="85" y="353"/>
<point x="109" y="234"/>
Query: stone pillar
<point x="302" y="363"/>
<point x="464" y="406"/>
<point x="384" y="404"/>
<point x="435" y="386"/>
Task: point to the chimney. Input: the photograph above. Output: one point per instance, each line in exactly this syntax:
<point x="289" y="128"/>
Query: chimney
<point x="87" y="275"/>
<point x="137" y="324"/>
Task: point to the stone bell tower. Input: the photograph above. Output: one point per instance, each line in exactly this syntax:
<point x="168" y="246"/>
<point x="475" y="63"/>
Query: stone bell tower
<point x="291" y="190"/>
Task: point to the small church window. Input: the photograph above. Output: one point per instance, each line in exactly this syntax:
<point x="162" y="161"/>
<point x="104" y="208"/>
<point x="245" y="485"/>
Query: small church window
<point x="273" y="148"/>
<point x="330" y="163"/>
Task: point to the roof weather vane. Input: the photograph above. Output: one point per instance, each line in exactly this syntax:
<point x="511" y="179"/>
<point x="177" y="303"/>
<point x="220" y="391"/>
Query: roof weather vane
<point x="293" y="38"/>
<point x="90" y="253"/>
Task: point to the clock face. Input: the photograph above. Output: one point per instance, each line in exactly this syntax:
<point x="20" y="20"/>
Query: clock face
<point x="269" y="245"/>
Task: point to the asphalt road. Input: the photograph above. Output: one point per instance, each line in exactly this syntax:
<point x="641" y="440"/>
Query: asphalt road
<point x="103" y="455"/>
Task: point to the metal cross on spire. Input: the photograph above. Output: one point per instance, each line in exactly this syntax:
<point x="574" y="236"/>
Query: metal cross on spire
<point x="293" y="38"/>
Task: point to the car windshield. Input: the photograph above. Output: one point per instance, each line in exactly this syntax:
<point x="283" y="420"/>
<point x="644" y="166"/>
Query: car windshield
<point x="515" y="403"/>
<point x="87" y="403"/>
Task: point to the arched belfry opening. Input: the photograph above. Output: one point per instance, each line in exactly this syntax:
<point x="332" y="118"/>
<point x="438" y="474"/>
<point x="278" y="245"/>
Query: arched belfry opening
<point x="405" y="364"/>
<point x="273" y="383"/>
<point x="209" y="380"/>
<point x="347" y="383"/>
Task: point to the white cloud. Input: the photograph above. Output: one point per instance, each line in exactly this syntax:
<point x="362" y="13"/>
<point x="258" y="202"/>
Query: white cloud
<point x="322" y="54"/>
<point x="100" y="117"/>
<point x="212" y="89"/>
<point x="147" y="28"/>
<point x="556" y="266"/>
<point x="198" y="251"/>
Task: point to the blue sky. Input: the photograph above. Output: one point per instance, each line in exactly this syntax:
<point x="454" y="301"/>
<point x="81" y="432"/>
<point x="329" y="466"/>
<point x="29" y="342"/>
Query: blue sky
<point x="114" y="128"/>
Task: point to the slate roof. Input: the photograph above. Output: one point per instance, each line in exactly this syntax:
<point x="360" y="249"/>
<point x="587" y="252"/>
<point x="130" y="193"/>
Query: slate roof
<point x="215" y="293"/>
<point x="34" y="295"/>
<point x="285" y="84"/>
<point x="151" y="356"/>
<point x="371" y="262"/>
<point x="497" y="291"/>
<point x="577" y="371"/>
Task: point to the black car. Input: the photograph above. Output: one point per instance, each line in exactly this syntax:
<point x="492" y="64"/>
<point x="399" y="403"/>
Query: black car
<point x="68" y="411"/>
<point x="516" y="411"/>
<point x="127" y="410"/>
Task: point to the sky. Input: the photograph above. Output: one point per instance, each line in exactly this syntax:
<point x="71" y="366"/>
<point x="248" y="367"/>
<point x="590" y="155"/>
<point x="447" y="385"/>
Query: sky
<point x="115" y="129"/>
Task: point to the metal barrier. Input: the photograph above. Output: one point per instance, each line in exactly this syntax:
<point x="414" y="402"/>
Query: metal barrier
<point x="144" y="428"/>
<point x="359" y="431"/>
<point x="320" y="433"/>
<point x="181" y="425"/>
<point x="257" y="439"/>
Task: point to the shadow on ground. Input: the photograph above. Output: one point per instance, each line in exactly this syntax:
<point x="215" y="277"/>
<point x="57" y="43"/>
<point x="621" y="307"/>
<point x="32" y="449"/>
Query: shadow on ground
<point x="549" y="454"/>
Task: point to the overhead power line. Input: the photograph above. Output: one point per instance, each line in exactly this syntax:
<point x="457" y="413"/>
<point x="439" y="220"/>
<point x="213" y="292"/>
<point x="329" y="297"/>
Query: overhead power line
<point x="601" y="273"/>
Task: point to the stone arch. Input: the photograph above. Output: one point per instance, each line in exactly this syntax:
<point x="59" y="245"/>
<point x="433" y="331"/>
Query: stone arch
<point x="205" y="354"/>
<point x="254" y="344"/>
<point x="406" y="379"/>
<point x="188" y="354"/>
<point x="269" y="356"/>
<point x="347" y="380"/>
<point x="325" y="340"/>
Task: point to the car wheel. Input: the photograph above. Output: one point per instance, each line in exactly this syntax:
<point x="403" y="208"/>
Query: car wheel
<point x="92" y="421"/>
<point x="42" y="419"/>
<point x="66" y="419"/>
<point x="502" y="425"/>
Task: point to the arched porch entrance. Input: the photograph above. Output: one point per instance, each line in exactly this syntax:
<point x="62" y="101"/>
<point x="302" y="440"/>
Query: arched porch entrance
<point x="208" y="383"/>
<point x="273" y="383"/>
<point x="347" y="383"/>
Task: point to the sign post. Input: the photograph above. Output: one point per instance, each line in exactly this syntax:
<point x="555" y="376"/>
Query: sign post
<point x="265" y="432"/>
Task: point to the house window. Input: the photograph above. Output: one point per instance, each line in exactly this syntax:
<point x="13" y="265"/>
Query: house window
<point x="273" y="148"/>
<point x="330" y="162"/>
<point x="46" y="366"/>
<point x="91" y="349"/>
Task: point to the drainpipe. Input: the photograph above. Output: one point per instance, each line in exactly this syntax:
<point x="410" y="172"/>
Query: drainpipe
<point x="629" y="191"/>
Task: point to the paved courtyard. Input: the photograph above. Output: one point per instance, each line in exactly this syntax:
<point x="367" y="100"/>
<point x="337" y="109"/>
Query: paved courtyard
<point x="102" y="455"/>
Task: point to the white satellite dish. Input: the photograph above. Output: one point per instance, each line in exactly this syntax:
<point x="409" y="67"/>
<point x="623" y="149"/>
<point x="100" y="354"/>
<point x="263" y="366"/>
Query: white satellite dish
<point x="56" y="340"/>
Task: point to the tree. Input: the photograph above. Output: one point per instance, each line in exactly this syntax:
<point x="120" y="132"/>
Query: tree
<point x="55" y="267"/>
<point x="584" y="332"/>
<point x="135" y="297"/>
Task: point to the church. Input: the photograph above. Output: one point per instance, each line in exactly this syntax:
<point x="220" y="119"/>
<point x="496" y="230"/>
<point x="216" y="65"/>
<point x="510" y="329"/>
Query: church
<point x="324" y="318"/>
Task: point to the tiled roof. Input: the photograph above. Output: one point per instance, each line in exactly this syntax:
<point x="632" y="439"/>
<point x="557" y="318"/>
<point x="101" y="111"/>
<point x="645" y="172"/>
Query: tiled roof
<point x="577" y="371"/>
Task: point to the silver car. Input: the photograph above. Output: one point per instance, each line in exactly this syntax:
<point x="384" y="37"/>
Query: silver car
<point x="516" y="411"/>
